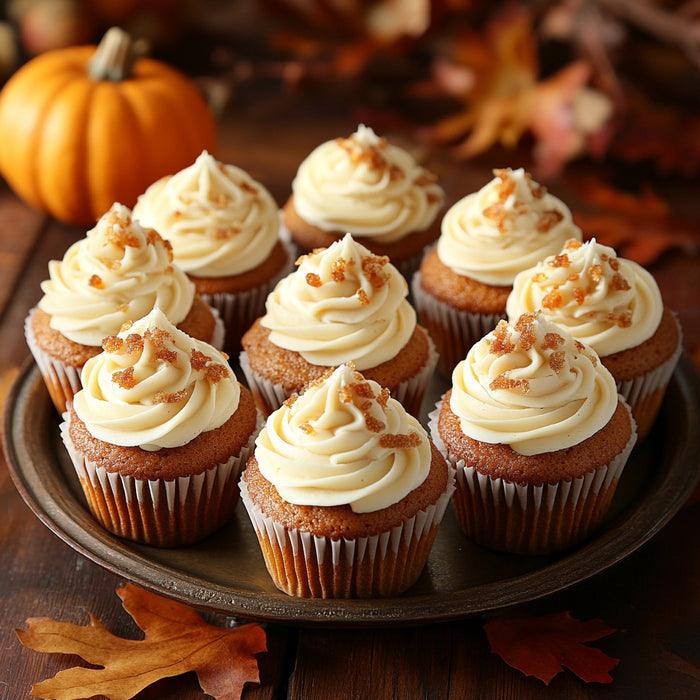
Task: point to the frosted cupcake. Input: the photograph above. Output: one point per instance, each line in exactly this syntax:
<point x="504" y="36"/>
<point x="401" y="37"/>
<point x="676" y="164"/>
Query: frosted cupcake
<point x="159" y="434"/>
<point x="118" y="273"/>
<point x="538" y="434"/>
<point x="486" y="238"/>
<point x="345" y="491"/>
<point x="368" y="187"/>
<point x="342" y="304"/>
<point x="615" y="306"/>
<point x="224" y="229"/>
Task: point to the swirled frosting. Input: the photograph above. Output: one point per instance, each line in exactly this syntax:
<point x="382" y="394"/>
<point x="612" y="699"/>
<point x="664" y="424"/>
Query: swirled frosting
<point x="156" y="387"/>
<point x="117" y="273"/>
<point x="343" y="441"/>
<point x="607" y="302"/>
<point x="530" y="385"/>
<point x="341" y="304"/>
<point x="219" y="220"/>
<point x="367" y="186"/>
<point x="510" y="224"/>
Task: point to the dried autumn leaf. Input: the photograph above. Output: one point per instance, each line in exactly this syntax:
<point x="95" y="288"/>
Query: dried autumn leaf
<point x="640" y="227"/>
<point x="504" y="97"/>
<point x="543" y="646"/>
<point x="177" y="640"/>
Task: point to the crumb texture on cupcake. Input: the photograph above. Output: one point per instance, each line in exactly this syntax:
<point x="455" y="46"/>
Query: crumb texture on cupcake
<point x="220" y="221"/>
<point x="509" y="225"/>
<point x="118" y="273"/>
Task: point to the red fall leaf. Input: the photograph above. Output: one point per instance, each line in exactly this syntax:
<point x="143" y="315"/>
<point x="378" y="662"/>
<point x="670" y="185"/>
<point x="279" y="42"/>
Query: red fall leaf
<point x="176" y="640"/>
<point x="544" y="646"/>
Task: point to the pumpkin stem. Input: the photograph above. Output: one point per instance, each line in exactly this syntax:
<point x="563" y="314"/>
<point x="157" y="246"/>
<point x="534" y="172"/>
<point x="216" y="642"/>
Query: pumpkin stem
<point x="115" y="56"/>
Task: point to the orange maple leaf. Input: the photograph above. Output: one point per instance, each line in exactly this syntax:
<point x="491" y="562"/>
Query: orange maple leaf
<point x="496" y="75"/>
<point x="543" y="646"/>
<point x="177" y="640"/>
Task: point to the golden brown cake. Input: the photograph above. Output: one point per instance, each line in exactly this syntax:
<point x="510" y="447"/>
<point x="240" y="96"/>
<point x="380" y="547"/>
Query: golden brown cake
<point x="538" y="435"/>
<point x="615" y="306"/>
<point x="370" y="188"/>
<point x="345" y="491"/>
<point x="159" y="434"/>
<point x="486" y="238"/>
<point x="117" y="273"/>
<point x="343" y="304"/>
<point x="224" y="228"/>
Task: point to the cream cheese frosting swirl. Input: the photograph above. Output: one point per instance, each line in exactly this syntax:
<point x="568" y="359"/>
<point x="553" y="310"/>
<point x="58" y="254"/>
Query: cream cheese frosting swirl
<point x="219" y="220"/>
<point x="117" y="273"/>
<point x="609" y="303"/>
<point x="530" y="385"/>
<point x="341" y="304"/>
<point x="156" y="387"/>
<point x="367" y="186"/>
<point x="510" y="224"/>
<point x="343" y="441"/>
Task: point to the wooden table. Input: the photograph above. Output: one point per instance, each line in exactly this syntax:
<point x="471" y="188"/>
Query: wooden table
<point x="650" y="598"/>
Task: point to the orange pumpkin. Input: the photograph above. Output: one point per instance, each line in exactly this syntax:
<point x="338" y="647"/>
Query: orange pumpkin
<point x="84" y="127"/>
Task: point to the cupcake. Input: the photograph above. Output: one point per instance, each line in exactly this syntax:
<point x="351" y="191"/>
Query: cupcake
<point x="342" y="304"/>
<point x="538" y="434"/>
<point x="224" y="228"/>
<point x="365" y="186"/>
<point x="486" y="238"/>
<point x="159" y="434"/>
<point x="117" y="273"/>
<point x="615" y="306"/>
<point x="345" y="491"/>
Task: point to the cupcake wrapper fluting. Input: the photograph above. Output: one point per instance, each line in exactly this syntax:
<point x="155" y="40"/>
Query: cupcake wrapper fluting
<point x="164" y="513"/>
<point x="454" y="331"/>
<point x="240" y="309"/>
<point x="309" y="566"/>
<point x="644" y="394"/>
<point x="410" y="394"/>
<point x="62" y="380"/>
<point x="527" y="519"/>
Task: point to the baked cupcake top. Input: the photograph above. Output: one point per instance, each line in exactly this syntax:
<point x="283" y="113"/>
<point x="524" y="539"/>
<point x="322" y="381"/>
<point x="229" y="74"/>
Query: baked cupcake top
<point x="219" y="220"/>
<point x="530" y="385"/>
<point x="343" y="441"/>
<point x="116" y="274"/>
<point x="510" y="224"/>
<point x="609" y="303"/>
<point x="341" y="304"/>
<point x="367" y="186"/>
<point x="155" y="387"/>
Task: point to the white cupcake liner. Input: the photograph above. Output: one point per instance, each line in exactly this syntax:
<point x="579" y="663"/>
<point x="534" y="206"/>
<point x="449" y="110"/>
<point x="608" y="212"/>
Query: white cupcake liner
<point x="160" y="512"/>
<point x="645" y="393"/>
<point x="62" y="380"/>
<point x="531" y="519"/>
<point x="410" y="393"/>
<point x="240" y="309"/>
<point x="306" y="565"/>
<point x="454" y="331"/>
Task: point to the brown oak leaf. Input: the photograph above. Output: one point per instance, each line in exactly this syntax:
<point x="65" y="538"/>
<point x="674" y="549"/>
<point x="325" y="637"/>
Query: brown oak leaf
<point x="176" y="640"/>
<point x="543" y="646"/>
<point x="641" y="226"/>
